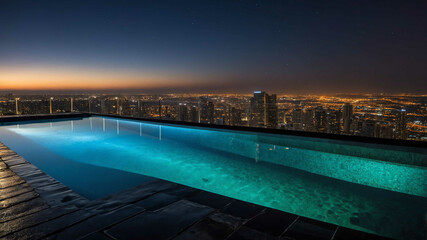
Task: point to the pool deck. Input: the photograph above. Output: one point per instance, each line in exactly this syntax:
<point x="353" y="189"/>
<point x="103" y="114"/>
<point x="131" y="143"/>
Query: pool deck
<point x="33" y="205"/>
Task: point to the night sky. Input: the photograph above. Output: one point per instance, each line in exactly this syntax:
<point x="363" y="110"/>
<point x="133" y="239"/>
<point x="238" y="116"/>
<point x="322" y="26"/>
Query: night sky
<point x="215" y="46"/>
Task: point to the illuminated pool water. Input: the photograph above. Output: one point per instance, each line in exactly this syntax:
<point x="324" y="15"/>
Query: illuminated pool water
<point x="380" y="190"/>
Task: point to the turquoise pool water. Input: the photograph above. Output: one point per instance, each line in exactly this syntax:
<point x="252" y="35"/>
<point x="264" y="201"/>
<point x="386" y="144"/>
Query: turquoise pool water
<point x="377" y="189"/>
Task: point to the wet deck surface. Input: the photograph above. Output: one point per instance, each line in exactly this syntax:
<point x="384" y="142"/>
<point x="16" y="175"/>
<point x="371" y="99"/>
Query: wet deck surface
<point x="33" y="205"/>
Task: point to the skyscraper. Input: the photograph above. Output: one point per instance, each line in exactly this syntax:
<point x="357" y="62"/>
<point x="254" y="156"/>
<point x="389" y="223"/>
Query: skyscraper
<point x="182" y="112"/>
<point x="401" y="124"/>
<point x="263" y="110"/>
<point x="211" y="112"/>
<point x="257" y="109"/>
<point x="347" y="116"/>
<point x="270" y="111"/>
<point x="203" y="110"/>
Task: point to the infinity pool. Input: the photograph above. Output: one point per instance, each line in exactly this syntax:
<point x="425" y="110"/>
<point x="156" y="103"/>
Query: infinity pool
<point x="373" y="188"/>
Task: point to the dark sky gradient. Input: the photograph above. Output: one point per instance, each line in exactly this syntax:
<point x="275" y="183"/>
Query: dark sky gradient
<point x="224" y="46"/>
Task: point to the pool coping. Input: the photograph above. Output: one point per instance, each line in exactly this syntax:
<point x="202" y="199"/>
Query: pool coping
<point x="54" y="211"/>
<point x="318" y="135"/>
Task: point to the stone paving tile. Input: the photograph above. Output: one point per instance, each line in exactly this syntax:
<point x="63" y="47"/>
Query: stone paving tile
<point x="127" y="196"/>
<point x="95" y="236"/>
<point x="41" y="181"/>
<point x="245" y="233"/>
<point x="24" y="169"/>
<point x="56" y="198"/>
<point x="34" y="219"/>
<point x="350" y="234"/>
<point x="10" y="181"/>
<point x="51" y="226"/>
<point x="305" y="228"/>
<point x="242" y="209"/>
<point x="182" y="191"/>
<point x="18" y="199"/>
<point x="162" y="224"/>
<point x="210" y="199"/>
<point x="216" y="226"/>
<point x="99" y="222"/>
<point x="157" y="201"/>
<point x="22" y="209"/>
<point x="3" y="165"/>
<point x="272" y="221"/>
<point x="15" y="190"/>
<point x="14" y="160"/>
<point x="6" y="173"/>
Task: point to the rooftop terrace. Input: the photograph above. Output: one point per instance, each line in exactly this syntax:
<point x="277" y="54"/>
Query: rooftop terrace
<point x="36" y="206"/>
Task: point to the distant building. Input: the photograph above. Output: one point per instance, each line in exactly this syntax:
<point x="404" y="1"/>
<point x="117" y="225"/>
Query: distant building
<point x="308" y="120"/>
<point x="347" y="116"/>
<point x="401" y="124"/>
<point x="194" y="114"/>
<point x="270" y="111"/>
<point x="182" y="112"/>
<point x="263" y="110"/>
<point x="320" y="121"/>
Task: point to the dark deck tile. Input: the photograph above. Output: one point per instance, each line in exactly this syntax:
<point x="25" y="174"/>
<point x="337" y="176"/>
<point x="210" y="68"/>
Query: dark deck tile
<point x="305" y="228"/>
<point x="245" y="233"/>
<point x="182" y="191"/>
<point x="272" y="221"/>
<point x="95" y="236"/>
<point x="216" y="226"/>
<point x="14" y="160"/>
<point x="242" y="209"/>
<point x="18" y="199"/>
<point x="130" y="195"/>
<point x="15" y="190"/>
<point x="351" y="234"/>
<point x="33" y="219"/>
<point x="50" y="227"/>
<point x="162" y="224"/>
<point x="99" y="222"/>
<point x="157" y="201"/>
<point x="210" y="199"/>
<point x="56" y="198"/>
<point x="22" y="209"/>
<point x="10" y="181"/>
<point x="41" y="181"/>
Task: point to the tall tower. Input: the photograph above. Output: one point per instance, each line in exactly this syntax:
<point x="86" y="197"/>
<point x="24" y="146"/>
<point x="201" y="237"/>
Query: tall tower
<point x="270" y="111"/>
<point x="182" y="112"/>
<point x="257" y="109"/>
<point x="401" y="124"/>
<point x="203" y="110"/>
<point x="71" y="104"/>
<point x="347" y="115"/>
<point x="16" y="106"/>
<point x="50" y="105"/>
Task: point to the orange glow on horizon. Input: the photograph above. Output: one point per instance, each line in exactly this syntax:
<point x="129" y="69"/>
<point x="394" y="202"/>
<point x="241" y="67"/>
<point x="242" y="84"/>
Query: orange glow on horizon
<point x="15" y="78"/>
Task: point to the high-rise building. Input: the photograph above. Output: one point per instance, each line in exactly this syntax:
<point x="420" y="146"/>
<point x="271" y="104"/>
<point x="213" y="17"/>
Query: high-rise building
<point x="257" y="109"/>
<point x="320" y="121"/>
<point x="236" y="117"/>
<point x="297" y="116"/>
<point x="211" y="113"/>
<point x="182" y="112"/>
<point x="194" y="114"/>
<point x="308" y="120"/>
<point x="347" y="115"/>
<point x="270" y="111"/>
<point x="203" y="110"/>
<point x="333" y="120"/>
<point x="401" y="124"/>
<point x="263" y="110"/>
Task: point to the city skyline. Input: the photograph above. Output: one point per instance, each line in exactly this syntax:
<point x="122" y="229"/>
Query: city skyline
<point x="226" y="47"/>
